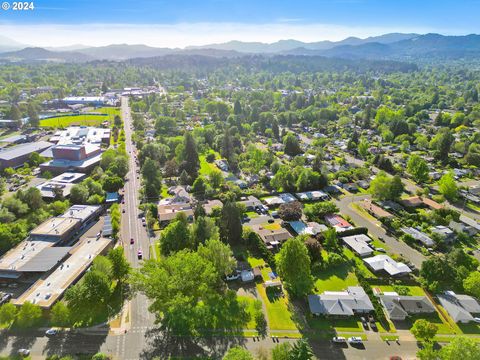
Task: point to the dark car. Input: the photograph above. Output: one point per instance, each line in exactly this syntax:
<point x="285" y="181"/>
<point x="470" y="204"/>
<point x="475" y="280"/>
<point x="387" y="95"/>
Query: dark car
<point x="132" y="241"/>
<point x="364" y="322"/>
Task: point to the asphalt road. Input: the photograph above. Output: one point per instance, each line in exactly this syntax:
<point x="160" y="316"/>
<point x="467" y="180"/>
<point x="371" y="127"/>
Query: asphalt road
<point x="395" y="246"/>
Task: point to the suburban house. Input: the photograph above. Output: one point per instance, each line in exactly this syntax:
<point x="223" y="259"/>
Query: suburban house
<point x="211" y="204"/>
<point x="341" y="303"/>
<point x="280" y="199"/>
<point x="445" y="233"/>
<point x="359" y="244"/>
<point x="386" y="264"/>
<point x="462" y="308"/>
<point x="470" y="222"/>
<point x="337" y="222"/>
<point x="399" y="307"/>
<point x="376" y="210"/>
<point x="168" y="208"/>
<point x="461" y="227"/>
<point x="312" y="196"/>
<point x="250" y="203"/>
<point x="272" y="238"/>
<point x="419" y="236"/>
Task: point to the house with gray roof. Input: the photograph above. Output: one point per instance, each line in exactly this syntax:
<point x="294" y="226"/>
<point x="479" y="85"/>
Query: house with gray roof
<point x="359" y="244"/>
<point x="399" y="307"/>
<point x="462" y="308"/>
<point x="341" y="303"/>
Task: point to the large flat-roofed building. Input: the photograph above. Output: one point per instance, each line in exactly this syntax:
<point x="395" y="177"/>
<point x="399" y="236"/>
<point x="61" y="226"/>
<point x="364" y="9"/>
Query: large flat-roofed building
<point x="40" y="252"/>
<point x="62" y="182"/>
<point x="84" y="213"/>
<point x="57" y="229"/>
<point x="16" y="156"/>
<point x="72" y="157"/>
<point x="46" y="291"/>
<point x="81" y="135"/>
<point x="85" y="100"/>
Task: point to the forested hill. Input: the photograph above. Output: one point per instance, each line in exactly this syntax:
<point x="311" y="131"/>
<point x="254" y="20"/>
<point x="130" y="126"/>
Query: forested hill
<point x="278" y="63"/>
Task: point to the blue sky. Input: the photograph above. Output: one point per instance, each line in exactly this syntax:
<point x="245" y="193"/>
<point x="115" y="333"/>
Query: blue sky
<point x="203" y="21"/>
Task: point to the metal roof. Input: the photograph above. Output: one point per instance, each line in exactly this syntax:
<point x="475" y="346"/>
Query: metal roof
<point x="23" y="149"/>
<point x="45" y="259"/>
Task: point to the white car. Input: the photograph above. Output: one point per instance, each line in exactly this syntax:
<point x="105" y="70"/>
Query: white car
<point x="355" y="340"/>
<point x="51" y="332"/>
<point x="24" y="352"/>
<point x="477" y="319"/>
<point x="339" y="339"/>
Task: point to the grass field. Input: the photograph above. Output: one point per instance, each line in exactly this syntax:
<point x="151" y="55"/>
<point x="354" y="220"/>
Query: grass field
<point x="336" y="279"/>
<point x="82" y="120"/>
<point x="279" y="316"/>
<point x="205" y="166"/>
<point x="90" y="119"/>
<point x="250" y="306"/>
<point x="412" y="290"/>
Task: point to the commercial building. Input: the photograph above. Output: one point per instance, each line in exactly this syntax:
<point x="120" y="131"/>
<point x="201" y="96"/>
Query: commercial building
<point x="85" y="100"/>
<point x="80" y="135"/>
<point x="75" y="158"/>
<point x="16" y="156"/>
<point x="341" y="303"/>
<point x="63" y="183"/>
<point x="46" y="291"/>
<point x="41" y="251"/>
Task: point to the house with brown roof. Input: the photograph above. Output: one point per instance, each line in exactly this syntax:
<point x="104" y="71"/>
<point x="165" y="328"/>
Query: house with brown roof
<point x="272" y="238"/>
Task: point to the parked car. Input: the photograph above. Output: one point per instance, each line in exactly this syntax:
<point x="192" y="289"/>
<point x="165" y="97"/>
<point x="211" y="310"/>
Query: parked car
<point x="371" y="319"/>
<point x="395" y="357"/>
<point x="51" y="332"/>
<point x="355" y="340"/>
<point x="477" y="319"/>
<point x="24" y="352"/>
<point x="382" y="250"/>
<point x="364" y="322"/>
<point x="139" y="254"/>
<point x="132" y="241"/>
<point x="339" y="339"/>
<point x="232" y="277"/>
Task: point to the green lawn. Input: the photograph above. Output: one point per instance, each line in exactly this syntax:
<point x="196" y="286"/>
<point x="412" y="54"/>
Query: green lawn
<point x="412" y="290"/>
<point x="335" y="279"/>
<point x="250" y="306"/>
<point x="443" y="326"/>
<point x="360" y="265"/>
<point x="205" y="166"/>
<point x="81" y="119"/>
<point x="351" y="325"/>
<point x="278" y="314"/>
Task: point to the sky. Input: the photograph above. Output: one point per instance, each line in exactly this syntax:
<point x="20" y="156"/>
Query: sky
<point x="179" y="23"/>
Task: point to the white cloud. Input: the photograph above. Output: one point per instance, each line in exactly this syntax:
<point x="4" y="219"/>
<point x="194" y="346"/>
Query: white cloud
<point x="184" y="34"/>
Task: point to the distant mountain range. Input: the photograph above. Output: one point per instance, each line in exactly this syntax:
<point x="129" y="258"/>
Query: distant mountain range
<point x="395" y="46"/>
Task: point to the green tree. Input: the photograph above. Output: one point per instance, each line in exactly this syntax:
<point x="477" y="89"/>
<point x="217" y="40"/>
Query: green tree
<point x="460" y="347"/>
<point x="281" y="351"/>
<point x="330" y="239"/>
<point x="219" y="254"/>
<point x="418" y="168"/>
<point x="215" y="178"/>
<point x="363" y="146"/>
<point x="448" y="187"/>
<point x="231" y="223"/>
<point x="29" y="315"/>
<point x="32" y="112"/>
<point x="60" y="314"/>
<point x="176" y="236"/>
<point x="424" y="330"/>
<point x="179" y="287"/>
<point x="203" y="228"/>
<point x="293" y="265"/>
<point x="301" y="350"/>
<point x="472" y="284"/>
<point x="120" y="265"/>
<point x="191" y="162"/>
<point x="152" y="178"/>
<point x="199" y="187"/>
<point x="79" y="194"/>
<point x="384" y="187"/>
<point x="427" y="352"/>
<point x="292" y="145"/>
<point x="8" y="313"/>
<point x="238" y="353"/>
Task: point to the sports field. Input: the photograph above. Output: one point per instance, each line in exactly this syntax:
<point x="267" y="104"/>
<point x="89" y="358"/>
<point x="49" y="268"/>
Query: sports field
<point x="96" y="118"/>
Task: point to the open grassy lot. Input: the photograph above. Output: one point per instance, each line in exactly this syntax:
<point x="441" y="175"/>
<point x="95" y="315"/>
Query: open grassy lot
<point x="333" y="326"/>
<point x="250" y="306"/>
<point x="81" y="119"/>
<point x="278" y="313"/>
<point x="205" y="166"/>
<point x="335" y="279"/>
